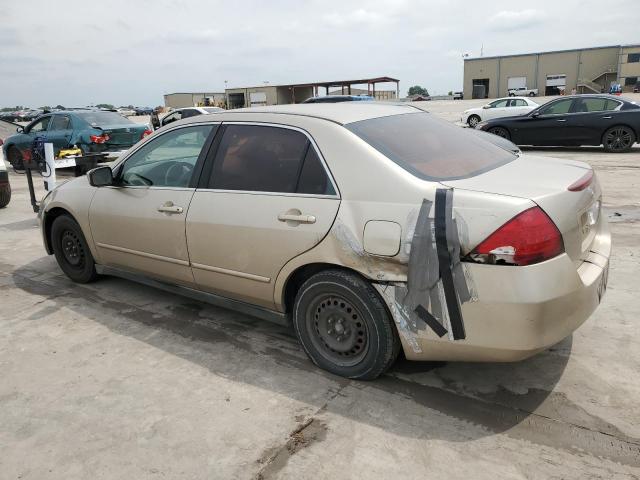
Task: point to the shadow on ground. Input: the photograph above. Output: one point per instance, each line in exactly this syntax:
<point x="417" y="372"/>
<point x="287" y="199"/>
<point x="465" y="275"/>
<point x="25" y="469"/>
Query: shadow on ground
<point x="517" y="399"/>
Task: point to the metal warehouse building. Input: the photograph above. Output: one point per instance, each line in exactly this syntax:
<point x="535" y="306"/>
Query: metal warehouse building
<point x="588" y="70"/>
<point x="182" y="100"/>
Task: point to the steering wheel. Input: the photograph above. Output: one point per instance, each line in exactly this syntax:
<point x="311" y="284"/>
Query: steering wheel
<point x="178" y="174"/>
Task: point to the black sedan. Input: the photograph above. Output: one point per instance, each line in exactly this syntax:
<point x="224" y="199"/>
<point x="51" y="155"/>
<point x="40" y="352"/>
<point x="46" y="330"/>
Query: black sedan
<point x="572" y="121"/>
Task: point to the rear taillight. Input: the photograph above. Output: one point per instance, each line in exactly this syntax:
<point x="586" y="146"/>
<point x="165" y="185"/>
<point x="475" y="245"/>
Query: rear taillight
<point x="146" y="133"/>
<point x="582" y="183"/>
<point x="104" y="138"/>
<point x="529" y="237"/>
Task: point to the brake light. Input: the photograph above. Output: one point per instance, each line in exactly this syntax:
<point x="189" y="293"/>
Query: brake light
<point x="582" y="183"/>
<point x="529" y="237"/>
<point x="99" y="138"/>
<point x="146" y="133"/>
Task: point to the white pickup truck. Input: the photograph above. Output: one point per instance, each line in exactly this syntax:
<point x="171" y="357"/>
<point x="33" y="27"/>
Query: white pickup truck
<point x="523" y="92"/>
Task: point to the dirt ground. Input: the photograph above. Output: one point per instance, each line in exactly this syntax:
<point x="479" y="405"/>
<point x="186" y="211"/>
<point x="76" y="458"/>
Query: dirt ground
<point x="117" y="380"/>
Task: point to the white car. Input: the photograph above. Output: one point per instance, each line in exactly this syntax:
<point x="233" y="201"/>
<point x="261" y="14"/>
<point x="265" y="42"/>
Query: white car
<point x="502" y="107"/>
<point x="182" y="113"/>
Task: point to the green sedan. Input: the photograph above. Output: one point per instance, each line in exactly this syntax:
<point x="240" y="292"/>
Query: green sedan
<point x="92" y="131"/>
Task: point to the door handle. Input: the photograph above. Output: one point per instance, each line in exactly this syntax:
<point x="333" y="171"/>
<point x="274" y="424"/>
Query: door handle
<point x="561" y="120"/>
<point x="287" y="217"/>
<point x="607" y="117"/>
<point x="169" y="207"/>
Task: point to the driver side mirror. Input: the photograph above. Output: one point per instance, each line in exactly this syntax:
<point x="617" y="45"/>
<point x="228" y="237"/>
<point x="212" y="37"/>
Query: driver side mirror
<point x="20" y="129"/>
<point x="100" y="177"/>
<point x="486" y="106"/>
<point x="535" y="114"/>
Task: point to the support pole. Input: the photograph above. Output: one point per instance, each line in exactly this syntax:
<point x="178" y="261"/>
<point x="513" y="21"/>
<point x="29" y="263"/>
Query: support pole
<point x="50" y="178"/>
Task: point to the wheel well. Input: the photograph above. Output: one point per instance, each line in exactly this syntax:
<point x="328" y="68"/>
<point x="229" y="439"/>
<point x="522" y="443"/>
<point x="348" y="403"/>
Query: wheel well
<point x="301" y="275"/>
<point x="49" y="218"/>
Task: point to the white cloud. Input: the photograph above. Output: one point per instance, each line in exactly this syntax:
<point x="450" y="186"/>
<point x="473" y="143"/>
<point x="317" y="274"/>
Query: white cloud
<point x="515" y="20"/>
<point x="355" y="17"/>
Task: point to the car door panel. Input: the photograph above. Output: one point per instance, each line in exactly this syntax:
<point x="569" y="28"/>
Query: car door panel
<point x="238" y="244"/>
<point x="266" y="198"/>
<point x="59" y="132"/>
<point x="131" y="232"/>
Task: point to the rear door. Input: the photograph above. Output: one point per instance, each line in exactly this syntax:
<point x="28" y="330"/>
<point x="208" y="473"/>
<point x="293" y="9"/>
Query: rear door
<point x="139" y="223"/>
<point x="592" y="116"/>
<point x="497" y="108"/>
<point x="266" y="198"/>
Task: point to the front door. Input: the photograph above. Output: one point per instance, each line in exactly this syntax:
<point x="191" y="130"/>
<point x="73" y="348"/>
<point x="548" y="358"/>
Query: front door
<point x="59" y="132"/>
<point x="139" y="223"/>
<point x="547" y="126"/>
<point x="269" y="198"/>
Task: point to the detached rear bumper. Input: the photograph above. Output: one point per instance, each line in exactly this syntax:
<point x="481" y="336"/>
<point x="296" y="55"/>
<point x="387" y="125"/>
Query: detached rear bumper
<point x="520" y="311"/>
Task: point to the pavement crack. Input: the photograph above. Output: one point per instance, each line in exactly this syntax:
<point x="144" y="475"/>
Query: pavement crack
<point x="307" y="432"/>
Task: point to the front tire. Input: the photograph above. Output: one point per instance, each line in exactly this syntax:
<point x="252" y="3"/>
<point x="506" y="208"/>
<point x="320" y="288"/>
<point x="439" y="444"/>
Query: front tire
<point x="5" y="195"/>
<point x="473" y="120"/>
<point x="15" y="158"/>
<point x="532" y="94"/>
<point x="618" y="139"/>
<point x="501" y="132"/>
<point x="71" y="250"/>
<point x="344" y="326"/>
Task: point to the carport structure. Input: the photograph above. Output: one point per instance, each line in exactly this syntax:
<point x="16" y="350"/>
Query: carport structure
<point x="345" y="86"/>
<point x="298" y="92"/>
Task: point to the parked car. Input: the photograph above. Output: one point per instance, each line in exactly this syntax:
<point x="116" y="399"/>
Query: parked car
<point x="126" y="112"/>
<point x="181" y="113"/>
<point x="607" y="120"/>
<point x="92" y="131"/>
<point x="523" y="91"/>
<point x="143" y="110"/>
<point x="368" y="229"/>
<point x="502" y="107"/>
<point x="458" y="96"/>
<point x="5" y="186"/>
<point x="340" y="98"/>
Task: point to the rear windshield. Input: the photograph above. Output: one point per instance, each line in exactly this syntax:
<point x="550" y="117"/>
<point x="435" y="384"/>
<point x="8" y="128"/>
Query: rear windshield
<point x="430" y="148"/>
<point x="96" y="119"/>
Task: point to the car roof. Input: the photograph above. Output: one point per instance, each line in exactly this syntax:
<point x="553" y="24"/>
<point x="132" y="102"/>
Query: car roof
<point x="342" y="113"/>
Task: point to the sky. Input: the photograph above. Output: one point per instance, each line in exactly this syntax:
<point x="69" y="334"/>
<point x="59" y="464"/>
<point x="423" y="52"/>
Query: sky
<point x="122" y="52"/>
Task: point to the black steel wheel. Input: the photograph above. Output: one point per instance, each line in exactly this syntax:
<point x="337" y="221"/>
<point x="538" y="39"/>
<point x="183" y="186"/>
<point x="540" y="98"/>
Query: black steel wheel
<point x="532" y="94"/>
<point x="71" y="250"/>
<point x="501" y="132"/>
<point x="344" y="326"/>
<point x="473" y="120"/>
<point x="618" y="139"/>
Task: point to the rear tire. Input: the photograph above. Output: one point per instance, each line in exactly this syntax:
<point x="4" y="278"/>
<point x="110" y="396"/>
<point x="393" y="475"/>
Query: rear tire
<point x="344" y="326"/>
<point x="532" y="94"/>
<point x="71" y="250"/>
<point x="512" y="94"/>
<point x="473" y="120"/>
<point x="618" y="139"/>
<point x="501" y="132"/>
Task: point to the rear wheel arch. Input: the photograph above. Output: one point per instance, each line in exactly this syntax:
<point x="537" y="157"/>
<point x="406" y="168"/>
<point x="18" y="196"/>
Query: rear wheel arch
<point x="625" y="125"/>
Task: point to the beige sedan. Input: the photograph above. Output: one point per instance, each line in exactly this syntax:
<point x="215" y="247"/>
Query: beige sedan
<point x="367" y="227"/>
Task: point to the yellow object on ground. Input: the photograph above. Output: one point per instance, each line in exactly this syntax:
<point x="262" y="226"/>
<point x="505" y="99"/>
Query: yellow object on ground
<point x="69" y="152"/>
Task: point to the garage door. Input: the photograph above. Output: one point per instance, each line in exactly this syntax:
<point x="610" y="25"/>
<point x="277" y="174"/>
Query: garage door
<point x="516" y="82"/>
<point x="556" y="84"/>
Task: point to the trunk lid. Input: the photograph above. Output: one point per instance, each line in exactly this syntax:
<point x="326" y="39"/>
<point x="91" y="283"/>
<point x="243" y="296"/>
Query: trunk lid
<point x="123" y="136"/>
<point x="545" y="181"/>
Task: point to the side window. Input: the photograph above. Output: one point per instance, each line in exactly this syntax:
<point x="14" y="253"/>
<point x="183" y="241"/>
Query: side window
<point x="596" y="105"/>
<point x="499" y="103"/>
<point x="313" y="176"/>
<point x="172" y="117"/>
<point x="558" y="107"/>
<point x="39" y="125"/>
<point x="60" y="122"/>
<point x="166" y="161"/>
<point x="259" y="159"/>
<point x="518" y="102"/>
<point x="190" y="113"/>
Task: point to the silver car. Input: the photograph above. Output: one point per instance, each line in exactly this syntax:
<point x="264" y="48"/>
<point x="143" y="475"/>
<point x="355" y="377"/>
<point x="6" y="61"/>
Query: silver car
<point x="369" y="228"/>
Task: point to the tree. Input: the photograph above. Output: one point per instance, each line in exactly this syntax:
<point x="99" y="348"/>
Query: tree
<point x="60" y="107"/>
<point x="418" y="90"/>
<point x="104" y="105"/>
